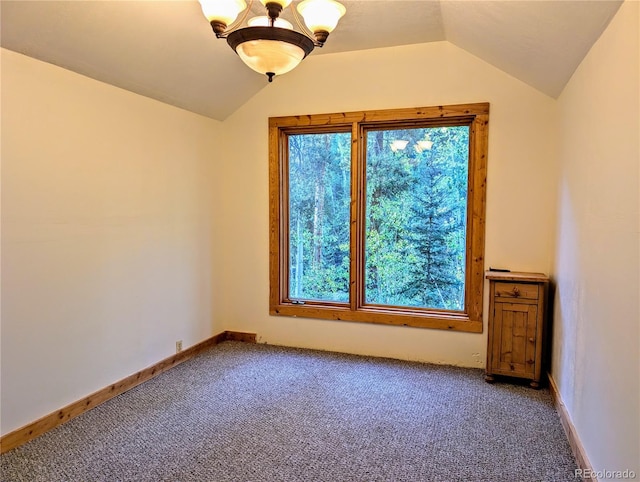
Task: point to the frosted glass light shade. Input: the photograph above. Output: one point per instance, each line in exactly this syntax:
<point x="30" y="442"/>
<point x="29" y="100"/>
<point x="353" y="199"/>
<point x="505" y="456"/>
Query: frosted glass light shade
<point x="223" y="11"/>
<point x="270" y="50"/>
<point x="283" y="3"/>
<point x="270" y="56"/>
<point x="321" y="15"/>
<point x="425" y="145"/>
<point x="398" y="145"/>
<point x="265" y="21"/>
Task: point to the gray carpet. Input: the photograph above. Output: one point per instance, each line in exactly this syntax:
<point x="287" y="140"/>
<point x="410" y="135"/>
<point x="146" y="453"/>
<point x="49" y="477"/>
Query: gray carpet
<point x="243" y="412"/>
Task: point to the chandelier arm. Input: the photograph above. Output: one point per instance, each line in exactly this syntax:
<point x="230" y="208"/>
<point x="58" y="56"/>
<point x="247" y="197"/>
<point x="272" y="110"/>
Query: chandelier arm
<point x="235" y="25"/>
<point x="303" y="28"/>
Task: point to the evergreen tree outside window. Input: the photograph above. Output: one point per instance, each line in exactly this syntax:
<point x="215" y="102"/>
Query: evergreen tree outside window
<point x="378" y="216"/>
<point x="416" y="217"/>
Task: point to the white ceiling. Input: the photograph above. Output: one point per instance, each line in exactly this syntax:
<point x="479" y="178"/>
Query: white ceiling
<point x="166" y="49"/>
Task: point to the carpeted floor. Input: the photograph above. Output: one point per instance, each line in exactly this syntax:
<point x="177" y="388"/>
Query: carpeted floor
<point x="246" y="412"/>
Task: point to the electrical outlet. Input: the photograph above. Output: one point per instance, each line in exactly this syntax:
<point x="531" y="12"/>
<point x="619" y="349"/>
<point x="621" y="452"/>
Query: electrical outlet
<point x="178" y="346"/>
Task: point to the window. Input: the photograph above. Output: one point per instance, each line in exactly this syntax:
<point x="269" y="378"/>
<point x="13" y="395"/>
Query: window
<point x="378" y="216"/>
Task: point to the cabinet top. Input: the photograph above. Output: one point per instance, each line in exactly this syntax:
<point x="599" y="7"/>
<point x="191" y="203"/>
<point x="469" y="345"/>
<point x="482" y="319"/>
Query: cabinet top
<point x="516" y="276"/>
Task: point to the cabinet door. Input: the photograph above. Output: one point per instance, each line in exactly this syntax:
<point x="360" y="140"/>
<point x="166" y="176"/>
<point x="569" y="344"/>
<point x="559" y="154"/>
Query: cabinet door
<point x="514" y="340"/>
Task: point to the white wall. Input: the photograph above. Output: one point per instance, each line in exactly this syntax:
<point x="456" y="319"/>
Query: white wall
<point x="109" y="244"/>
<point x="596" y="322"/>
<point x="521" y="184"/>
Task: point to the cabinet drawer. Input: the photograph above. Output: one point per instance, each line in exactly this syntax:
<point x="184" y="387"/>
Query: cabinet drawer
<point x="516" y="290"/>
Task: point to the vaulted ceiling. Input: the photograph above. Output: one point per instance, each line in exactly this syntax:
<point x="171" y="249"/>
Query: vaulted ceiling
<point x="166" y="50"/>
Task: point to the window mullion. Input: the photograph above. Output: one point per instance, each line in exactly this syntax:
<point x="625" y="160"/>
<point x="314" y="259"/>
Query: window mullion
<point x="353" y="227"/>
<point x="358" y="244"/>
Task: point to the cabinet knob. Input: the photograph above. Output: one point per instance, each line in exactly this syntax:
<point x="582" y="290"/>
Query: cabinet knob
<point x="532" y="340"/>
<point x="516" y="291"/>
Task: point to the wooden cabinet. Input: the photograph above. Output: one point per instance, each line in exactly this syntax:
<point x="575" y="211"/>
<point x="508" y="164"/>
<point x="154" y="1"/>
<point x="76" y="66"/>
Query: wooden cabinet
<point x="517" y="327"/>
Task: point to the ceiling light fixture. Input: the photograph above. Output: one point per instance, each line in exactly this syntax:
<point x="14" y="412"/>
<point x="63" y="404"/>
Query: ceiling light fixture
<point x="398" y="145"/>
<point x="424" y="145"/>
<point x="269" y="45"/>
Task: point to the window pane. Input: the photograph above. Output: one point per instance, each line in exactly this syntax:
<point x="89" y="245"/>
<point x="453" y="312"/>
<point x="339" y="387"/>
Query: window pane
<point x="319" y="201"/>
<point x="416" y="217"/>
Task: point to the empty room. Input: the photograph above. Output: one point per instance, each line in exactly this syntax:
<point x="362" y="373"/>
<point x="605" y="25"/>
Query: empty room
<point x="354" y="240"/>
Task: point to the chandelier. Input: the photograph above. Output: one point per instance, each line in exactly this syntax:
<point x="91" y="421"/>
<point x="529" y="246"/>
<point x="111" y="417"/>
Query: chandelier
<point x="269" y="44"/>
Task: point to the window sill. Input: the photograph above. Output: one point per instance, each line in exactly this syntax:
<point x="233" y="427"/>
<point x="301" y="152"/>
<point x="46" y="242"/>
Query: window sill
<point x="438" y="321"/>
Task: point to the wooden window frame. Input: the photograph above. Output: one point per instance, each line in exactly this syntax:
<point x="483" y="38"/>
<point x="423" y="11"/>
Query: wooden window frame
<point x="476" y="116"/>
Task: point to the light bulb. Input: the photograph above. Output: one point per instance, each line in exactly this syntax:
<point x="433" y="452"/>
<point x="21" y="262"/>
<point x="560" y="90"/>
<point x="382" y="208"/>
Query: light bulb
<point x="265" y="21"/>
